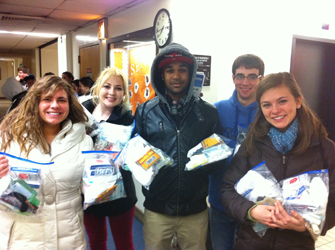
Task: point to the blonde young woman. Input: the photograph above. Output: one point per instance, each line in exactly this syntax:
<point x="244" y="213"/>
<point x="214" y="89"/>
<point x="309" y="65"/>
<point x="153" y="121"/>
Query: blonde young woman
<point x="47" y="126"/>
<point x="110" y="103"/>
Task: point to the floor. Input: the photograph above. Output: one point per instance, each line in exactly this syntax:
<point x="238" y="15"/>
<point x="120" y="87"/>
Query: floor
<point x="326" y="242"/>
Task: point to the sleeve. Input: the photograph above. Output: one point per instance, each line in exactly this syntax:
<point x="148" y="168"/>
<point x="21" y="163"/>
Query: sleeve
<point x="88" y="143"/>
<point x="138" y="121"/>
<point x="236" y="205"/>
<point x="329" y="154"/>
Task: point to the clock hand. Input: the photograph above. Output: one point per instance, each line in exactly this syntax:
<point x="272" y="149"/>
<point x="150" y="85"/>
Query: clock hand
<point x="161" y="30"/>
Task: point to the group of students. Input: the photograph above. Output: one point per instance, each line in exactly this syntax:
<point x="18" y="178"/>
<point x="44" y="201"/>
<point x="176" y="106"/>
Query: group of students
<point x="82" y="87"/>
<point x="49" y="126"/>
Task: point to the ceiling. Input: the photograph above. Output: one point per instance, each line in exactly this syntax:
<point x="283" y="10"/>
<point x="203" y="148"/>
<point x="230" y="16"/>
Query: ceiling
<point x="52" y="16"/>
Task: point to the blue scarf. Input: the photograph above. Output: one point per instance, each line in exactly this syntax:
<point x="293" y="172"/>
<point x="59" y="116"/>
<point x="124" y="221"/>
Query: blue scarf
<point x="284" y="142"/>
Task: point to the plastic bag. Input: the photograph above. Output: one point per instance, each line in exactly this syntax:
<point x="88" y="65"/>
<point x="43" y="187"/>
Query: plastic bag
<point x="102" y="180"/>
<point x="92" y="125"/>
<point x="307" y="194"/>
<point x="142" y="159"/>
<point x="210" y="150"/>
<point x="20" y="187"/>
<point x="260" y="186"/>
<point x="112" y="137"/>
<point x="241" y="135"/>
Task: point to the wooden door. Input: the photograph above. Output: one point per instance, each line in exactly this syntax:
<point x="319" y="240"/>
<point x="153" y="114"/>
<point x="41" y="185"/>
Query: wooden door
<point x="90" y="61"/>
<point x="313" y="66"/>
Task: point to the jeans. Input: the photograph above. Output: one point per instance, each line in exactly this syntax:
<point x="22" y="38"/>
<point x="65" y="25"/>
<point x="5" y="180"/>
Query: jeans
<point x="120" y="225"/>
<point x="223" y="230"/>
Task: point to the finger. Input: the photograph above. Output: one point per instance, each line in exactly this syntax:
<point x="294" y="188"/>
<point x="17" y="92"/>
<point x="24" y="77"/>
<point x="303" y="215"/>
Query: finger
<point x="273" y="216"/>
<point x="273" y="225"/>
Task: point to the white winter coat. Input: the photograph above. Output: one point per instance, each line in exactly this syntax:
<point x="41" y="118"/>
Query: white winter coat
<point x="58" y="223"/>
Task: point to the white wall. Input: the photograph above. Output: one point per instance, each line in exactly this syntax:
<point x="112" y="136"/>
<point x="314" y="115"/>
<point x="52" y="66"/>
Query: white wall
<point x="228" y="29"/>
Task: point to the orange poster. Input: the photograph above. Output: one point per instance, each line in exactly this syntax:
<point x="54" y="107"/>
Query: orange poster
<point x="140" y="60"/>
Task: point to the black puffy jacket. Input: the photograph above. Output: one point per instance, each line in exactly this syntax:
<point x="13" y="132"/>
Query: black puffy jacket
<point x="174" y="191"/>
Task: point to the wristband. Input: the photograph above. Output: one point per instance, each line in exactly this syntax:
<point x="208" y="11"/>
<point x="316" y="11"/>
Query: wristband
<point x="249" y="216"/>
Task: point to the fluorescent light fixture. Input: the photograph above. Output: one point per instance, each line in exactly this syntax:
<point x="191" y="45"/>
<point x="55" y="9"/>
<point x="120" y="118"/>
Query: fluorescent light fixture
<point x="87" y="38"/>
<point x="29" y="33"/>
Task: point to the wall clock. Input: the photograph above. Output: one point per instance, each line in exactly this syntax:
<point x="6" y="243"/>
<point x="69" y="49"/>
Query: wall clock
<point x="162" y="28"/>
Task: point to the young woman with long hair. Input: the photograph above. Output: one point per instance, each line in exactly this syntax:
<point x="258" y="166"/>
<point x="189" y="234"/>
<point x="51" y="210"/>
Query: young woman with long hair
<point x="289" y="137"/>
<point x="47" y="126"/>
<point x="110" y="103"/>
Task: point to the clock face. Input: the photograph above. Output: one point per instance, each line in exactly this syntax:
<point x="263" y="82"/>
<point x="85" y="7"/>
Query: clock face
<point x="162" y="26"/>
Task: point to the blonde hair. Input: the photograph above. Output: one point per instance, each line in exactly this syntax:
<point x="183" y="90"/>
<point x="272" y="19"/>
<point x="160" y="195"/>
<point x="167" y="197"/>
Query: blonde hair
<point x="25" y="125"/>
<point x="103" y="77"/>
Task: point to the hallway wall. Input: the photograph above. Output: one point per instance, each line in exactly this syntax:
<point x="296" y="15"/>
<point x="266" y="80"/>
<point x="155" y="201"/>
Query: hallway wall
<point x="227" y="30"/>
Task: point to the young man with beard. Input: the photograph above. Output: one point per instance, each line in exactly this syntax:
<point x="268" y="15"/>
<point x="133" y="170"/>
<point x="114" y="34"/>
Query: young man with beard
<point x="175" y="121"/>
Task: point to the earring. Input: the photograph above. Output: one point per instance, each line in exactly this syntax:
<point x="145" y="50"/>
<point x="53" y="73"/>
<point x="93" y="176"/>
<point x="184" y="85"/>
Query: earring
<point x="298" y="106"/>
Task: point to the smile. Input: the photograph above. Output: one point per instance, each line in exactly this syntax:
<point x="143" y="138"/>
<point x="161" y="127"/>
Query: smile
<point x="52" y="113"/>
<point x="279" y="117"/>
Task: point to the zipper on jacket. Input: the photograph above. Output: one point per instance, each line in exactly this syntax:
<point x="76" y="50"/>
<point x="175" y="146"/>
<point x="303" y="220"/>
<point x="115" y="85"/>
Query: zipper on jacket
<point x="284" y="166"/>
<point x="161" y="129"/>
<point x="179" y="169"/>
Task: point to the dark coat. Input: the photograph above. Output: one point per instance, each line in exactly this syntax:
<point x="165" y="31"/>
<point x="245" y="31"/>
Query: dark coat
<point x="174" y="191"/>
<point x="319" y="155"/>
<point x="119" y="206"/>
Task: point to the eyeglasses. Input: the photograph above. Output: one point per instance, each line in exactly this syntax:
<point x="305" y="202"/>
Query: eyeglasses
<point x="251" y="77"/>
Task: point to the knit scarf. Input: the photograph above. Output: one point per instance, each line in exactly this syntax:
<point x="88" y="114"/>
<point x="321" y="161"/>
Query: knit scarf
<point x="284" y="142"/>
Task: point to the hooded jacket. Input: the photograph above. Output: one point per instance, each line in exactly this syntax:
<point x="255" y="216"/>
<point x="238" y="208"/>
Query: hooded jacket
<point x="58" y="222"/>
<point x="231" y="113"/>
<point x="319" y="155"/>
<point x="174" y="191"/>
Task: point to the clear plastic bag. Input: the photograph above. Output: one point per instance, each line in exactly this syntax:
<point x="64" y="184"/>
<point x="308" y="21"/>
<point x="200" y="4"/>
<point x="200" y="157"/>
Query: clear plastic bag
<point x="210" y="150"/>
<point x="307" y="194"/>
<point x="241" y="135"/>
<point x="19" y="188"/>
<point x="102" y="180"/>
<point x="260" y="186"/>
<point x="92" y="125"/>
<point x="112" y="137"/>
<point x="142" y="159"/>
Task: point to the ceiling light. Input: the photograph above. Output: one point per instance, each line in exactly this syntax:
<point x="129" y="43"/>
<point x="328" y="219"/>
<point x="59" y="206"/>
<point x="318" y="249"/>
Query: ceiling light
<point x="29" y="33"/>
<point x="87" y="38"/>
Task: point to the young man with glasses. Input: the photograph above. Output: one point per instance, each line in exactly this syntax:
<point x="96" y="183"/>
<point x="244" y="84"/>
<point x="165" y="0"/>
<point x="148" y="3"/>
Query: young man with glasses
<point x="240" y="108"/>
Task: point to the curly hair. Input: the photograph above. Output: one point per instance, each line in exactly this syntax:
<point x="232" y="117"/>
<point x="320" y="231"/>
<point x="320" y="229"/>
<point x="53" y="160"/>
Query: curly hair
<point x="309" y="123"/>
<point x="103" y="77"/>
<point x="24" y="124"/>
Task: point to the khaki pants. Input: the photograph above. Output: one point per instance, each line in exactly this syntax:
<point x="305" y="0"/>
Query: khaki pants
<point x="191" y="231"/>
